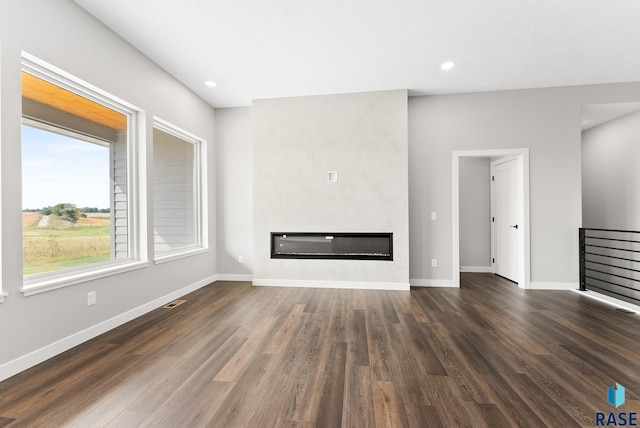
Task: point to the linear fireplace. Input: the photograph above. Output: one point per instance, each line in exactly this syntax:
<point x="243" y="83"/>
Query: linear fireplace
<point x="316" y="245"/>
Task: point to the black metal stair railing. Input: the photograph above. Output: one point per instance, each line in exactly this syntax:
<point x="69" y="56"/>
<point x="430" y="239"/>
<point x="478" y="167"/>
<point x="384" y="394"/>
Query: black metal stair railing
<point x="610" y="263"/>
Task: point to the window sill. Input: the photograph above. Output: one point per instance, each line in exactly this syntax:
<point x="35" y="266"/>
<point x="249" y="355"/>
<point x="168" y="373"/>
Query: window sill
<point x="50" y="282"/>
<point x="179" y="254"/>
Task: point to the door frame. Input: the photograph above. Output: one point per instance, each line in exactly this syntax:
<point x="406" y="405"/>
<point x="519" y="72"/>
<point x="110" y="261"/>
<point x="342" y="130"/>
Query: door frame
<point x="524" y="253"/>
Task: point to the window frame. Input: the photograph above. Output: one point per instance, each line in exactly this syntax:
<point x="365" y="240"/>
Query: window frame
<point x="137" y="254"/>
<point x="201" y="244"/>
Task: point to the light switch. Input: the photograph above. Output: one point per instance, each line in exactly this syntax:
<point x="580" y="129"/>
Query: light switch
<point x="332" y="176"/>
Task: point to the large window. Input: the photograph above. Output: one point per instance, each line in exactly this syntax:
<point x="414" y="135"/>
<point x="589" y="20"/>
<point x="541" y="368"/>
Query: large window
<point x="77" y="179"/>
<point x="66" y="200"/>
<point x="177" y="189"/>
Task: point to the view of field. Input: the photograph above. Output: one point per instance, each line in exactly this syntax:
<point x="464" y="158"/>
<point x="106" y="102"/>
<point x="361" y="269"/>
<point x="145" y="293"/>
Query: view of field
<point x="50" y="243"/>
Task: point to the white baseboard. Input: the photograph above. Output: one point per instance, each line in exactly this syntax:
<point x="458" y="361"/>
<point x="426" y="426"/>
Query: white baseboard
<point x="476" y="269"/>
<point x="553" y="285"/>
<point x="234" y="277"/>
<point x="609" y="300"/>
<point x="360" y="285"/>
<point x="449" y="283"/>
<point x="31" y="359"/>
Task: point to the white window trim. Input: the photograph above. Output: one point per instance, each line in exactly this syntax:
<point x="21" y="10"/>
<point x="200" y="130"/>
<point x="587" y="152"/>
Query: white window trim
<point x="137" y="239"/>
<point x="200" y="174"/>
<point x="179" y="254"/>
<point x="41" y="283"/>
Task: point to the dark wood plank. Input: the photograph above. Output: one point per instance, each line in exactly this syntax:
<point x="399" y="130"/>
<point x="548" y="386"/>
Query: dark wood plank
<point x="330" y="406"/>
<point x="449" y="403"/>
<point x="424" y="416"/>
<point x="5" y="422"/>
<point x="358" y="410"/>
<point x="420" y="350"/>
<point x="388" y="406"/>
<point x="545" y="408"/>
<point x="357" y="336"/>
<point x="491" y="415"/>
<point x="237" y="408"/>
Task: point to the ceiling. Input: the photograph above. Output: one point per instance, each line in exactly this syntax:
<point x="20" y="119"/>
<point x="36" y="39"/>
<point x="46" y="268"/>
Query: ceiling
<point x="256" y="49"/>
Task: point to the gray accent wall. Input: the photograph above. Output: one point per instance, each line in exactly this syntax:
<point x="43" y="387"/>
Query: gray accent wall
<point x="63" y="34"/>
<point x="547" y="121"/>
<point x="610" y="174"/>
<point x="475" y="212"/>
<point x="296" y="142"/>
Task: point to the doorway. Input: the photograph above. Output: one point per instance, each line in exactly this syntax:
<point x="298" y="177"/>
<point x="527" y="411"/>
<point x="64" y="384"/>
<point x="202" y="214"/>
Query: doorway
<point x="521" y="254"/>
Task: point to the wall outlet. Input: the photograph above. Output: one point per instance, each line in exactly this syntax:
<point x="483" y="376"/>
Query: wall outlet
<point x="434" y="216"/>
<point x="240" y="259"/>
<point x="434" y="262"/>
<point x="91" y="298"/>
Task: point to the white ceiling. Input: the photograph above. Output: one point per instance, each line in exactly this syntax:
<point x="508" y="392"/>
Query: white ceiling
<point x="258" y="49"/>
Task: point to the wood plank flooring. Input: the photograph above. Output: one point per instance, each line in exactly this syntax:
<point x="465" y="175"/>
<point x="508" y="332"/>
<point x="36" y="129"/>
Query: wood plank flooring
<point x="485" y="355"/>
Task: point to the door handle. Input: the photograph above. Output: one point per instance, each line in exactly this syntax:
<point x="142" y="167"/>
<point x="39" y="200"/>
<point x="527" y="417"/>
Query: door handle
<point x="515" y="227"/>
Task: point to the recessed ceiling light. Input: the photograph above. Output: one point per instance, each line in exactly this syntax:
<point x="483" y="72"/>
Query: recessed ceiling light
<point x="448" y="65"/>
<point x="210" y="83"/>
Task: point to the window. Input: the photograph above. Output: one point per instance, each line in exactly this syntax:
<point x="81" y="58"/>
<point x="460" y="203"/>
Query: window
<point x="178" y="197"/>
<point x="78" y="177"/>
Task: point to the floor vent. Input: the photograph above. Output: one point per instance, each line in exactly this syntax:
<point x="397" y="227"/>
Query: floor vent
<point x="174" y="304"/>
<point x="625" y="311"/>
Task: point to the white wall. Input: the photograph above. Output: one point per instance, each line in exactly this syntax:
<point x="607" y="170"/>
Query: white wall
<point x="610" y="174"/>
<point x="296" y="141"/>
<point x="475" y="213"/>
<point x="62" y="34"/>
<point x="234" y="169"/>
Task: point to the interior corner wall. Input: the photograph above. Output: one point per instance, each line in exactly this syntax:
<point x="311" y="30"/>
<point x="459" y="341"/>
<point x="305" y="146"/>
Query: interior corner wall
<point x="475" y="213"/>
<point x="234" y="171"/>
<point x="64" y="35"/>
<point x="610" y="174"/>
<point x="297" y="141"/>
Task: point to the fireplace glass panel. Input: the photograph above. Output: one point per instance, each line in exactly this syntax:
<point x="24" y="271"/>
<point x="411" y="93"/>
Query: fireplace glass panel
<point x="359" y="246"/>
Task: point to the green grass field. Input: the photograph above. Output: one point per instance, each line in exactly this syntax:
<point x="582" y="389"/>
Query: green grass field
<point x="50" y="248"/>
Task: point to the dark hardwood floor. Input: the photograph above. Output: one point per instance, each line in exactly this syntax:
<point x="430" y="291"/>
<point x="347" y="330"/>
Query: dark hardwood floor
<point x="485" y="355"/>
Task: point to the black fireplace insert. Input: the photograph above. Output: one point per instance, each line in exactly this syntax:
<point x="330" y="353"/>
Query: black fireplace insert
<point x="317" y="245"/>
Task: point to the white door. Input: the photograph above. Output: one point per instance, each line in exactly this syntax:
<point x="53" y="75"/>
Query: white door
<point x="506" y="227"/>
